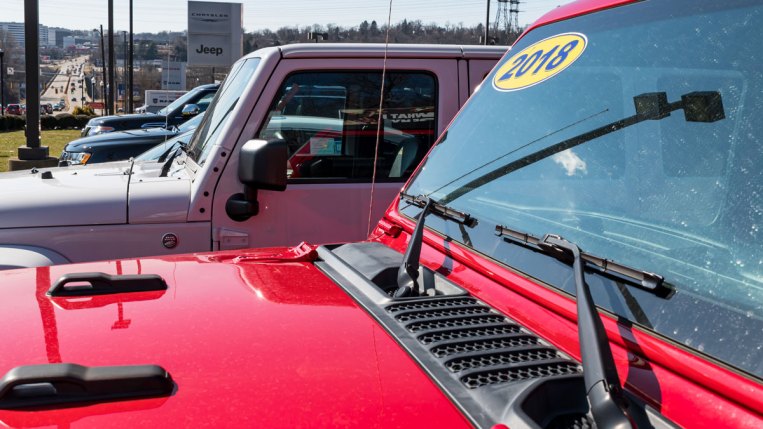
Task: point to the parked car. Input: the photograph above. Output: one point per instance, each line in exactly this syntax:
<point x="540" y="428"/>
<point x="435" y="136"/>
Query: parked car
<point x="200" y="96"/>
<point x="471" y="303"/>
<point x="320" y="100"/>
<point x="120" y="145"/>
<point x="13" y="109"/>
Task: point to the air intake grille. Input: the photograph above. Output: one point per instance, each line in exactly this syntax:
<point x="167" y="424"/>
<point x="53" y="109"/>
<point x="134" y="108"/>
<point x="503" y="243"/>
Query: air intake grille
<point x="439" y="313"/>
<point x="436" y="337"/>
<point x="462" y="364"/>
<point x="505" y="375"/>
<point x="491" y="344"/>
<point x="476" y="344"/>
<point x="454" y="323"/>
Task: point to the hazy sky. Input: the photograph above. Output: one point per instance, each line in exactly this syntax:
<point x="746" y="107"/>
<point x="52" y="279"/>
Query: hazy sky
<point x="159" y="15"/>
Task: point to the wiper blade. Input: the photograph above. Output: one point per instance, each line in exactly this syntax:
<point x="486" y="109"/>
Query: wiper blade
<point x="602" y="384"/>
<point x="440" y="209"/>
<point x="166" y="167"/>
<point x="408" y="273"/>
<point x="644" y="280"/>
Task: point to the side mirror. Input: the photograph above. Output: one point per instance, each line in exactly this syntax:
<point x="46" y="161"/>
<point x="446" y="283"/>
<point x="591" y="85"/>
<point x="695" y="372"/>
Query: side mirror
<point x="190" y="110"/>
<point x="261" y="165"/>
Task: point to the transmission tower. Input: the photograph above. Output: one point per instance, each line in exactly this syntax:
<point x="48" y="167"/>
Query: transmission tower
<point x="506" y="25"/>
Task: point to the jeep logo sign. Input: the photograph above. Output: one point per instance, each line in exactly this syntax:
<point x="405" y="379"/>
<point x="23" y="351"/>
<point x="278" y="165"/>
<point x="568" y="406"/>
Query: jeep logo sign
<point x="209" y="50"/>
<point x="215" y="36"/>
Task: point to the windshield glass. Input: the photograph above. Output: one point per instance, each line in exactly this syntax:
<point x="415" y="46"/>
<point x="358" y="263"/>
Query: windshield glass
<point x="191" y="124"/>
<point x="177" y="103"/>
<point x="221" y="107"/>
<point x="637" y="136"/>
<point x="156" y="152"/>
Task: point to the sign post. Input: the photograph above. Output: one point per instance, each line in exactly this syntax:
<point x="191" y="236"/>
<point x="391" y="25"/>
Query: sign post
<point x="215" y="36"/>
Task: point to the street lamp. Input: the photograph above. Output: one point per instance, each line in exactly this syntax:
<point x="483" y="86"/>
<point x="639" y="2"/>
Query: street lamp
<point x="103" y="105"/>
<point x="2" y="83"/>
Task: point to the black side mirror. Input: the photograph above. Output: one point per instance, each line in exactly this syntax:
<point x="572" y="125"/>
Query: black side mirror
<point x="261" y="165"/>
<point x="190" y="110"/>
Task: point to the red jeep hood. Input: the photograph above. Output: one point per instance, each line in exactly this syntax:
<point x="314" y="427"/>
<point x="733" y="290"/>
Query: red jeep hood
<point x="249" y="343"/>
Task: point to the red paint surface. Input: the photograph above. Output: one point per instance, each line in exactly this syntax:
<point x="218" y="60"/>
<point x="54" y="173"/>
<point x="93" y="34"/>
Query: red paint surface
<point x="249" y="344"/>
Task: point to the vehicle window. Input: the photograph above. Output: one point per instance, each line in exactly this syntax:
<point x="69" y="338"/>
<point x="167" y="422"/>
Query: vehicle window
<point x="647" y="152"/>
<point x="204" y="101"/>
<point x="223" y="103"/>
<point x="330" y="123"/>
<point x="181" y="101"/>
<point x="191" y="124"/>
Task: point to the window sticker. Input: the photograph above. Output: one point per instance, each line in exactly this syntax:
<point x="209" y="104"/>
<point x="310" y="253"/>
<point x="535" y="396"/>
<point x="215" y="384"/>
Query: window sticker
<point x="539" y="61"/>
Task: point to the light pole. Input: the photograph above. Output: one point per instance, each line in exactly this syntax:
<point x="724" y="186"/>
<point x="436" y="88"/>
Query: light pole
<point x="2" y="83"/>
<point x="103" y="101"/>
<point x="111" y="84"/>
<point x="129" y="70"/>
<point x="103" y="61"/>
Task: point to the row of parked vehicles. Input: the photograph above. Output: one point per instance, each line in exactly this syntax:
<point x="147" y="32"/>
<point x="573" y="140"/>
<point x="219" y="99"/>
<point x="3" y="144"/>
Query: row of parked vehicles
<point x="578" y="247"/>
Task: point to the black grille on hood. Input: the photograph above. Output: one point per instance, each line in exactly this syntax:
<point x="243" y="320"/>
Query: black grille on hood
<point x="476" y="343"/>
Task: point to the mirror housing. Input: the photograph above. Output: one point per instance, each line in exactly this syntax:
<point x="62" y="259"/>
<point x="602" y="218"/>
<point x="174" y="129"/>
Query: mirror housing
<point x="261" y="165"/>
<point x="190" y="110"/>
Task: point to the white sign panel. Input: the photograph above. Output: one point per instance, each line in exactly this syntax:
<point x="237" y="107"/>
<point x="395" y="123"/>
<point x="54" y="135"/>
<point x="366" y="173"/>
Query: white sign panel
<point x="215" y="37"/>
<point x="173" y="75"/>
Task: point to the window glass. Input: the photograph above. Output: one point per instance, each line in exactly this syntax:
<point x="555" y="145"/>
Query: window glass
<point x="204" y="101"/>
<point x="223" y="103"/>
<point x="330" y="123"/>
<point x="675" y="189"/>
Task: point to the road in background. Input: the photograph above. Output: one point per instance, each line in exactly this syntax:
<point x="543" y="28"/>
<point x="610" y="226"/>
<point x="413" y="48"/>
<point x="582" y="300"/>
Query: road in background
<point x="68" y="85"/>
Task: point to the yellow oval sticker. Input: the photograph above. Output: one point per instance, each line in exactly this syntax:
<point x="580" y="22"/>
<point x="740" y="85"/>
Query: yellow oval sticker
<point x="540" y="61"/>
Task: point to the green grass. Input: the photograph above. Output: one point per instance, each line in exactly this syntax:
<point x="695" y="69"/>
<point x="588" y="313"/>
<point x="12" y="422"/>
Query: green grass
<point x="55" y="140"/>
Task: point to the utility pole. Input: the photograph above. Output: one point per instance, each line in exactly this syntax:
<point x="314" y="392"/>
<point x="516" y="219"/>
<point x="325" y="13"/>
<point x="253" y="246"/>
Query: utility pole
<point x="124" y="71"/>
<point x="33" y="154"/>
<point x="129" y="70"/>
<point x="487" y="24"/>
<point x="2" y="83"/>
<point x="103" y="70"/>
<point x="112" y="87"/>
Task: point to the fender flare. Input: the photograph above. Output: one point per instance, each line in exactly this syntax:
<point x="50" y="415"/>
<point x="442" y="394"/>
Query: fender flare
<point x="20" y="256"/>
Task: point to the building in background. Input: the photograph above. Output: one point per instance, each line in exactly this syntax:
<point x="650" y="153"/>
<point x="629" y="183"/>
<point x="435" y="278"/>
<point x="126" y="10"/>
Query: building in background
<point x="16" y="29"/>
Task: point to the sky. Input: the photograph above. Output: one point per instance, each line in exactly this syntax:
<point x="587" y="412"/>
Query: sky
<point x="171" y="15"/>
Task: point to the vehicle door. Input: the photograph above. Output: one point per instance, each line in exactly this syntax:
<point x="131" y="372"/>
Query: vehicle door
<point x="327" y="112"/>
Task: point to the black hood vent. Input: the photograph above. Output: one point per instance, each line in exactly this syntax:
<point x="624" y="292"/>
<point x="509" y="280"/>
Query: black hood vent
<point x="476" y="343"/>
<point x="485" y="362"/>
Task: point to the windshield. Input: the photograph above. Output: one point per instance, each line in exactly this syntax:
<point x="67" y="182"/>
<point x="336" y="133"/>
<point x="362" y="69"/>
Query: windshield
<point x="220" y="108"/>
<point x="637" y="136"/>
<point x="177" y="103"/>
<point x="156" y="152"/>
<point x="191" y="124"/>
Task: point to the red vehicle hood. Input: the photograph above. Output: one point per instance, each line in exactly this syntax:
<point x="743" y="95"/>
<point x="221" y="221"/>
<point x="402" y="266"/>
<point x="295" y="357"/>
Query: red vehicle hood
<point x="249" y="341"/>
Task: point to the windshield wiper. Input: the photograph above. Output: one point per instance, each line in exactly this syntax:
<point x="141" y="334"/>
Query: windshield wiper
<point x="700" y="106"/>
<point x="166" y="167"/>
<point x="644" y="280"/>
<point x="608" y="406"/>
<point x="408" y="273"/>
<point x="602" y="384"/>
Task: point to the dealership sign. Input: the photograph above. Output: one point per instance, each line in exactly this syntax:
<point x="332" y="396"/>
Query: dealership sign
<point x="215" y="37"/>
<point x="173" y="75"/>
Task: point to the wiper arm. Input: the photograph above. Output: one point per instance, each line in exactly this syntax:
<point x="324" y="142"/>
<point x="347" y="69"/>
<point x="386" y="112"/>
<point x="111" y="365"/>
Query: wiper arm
<point x="166" y="167"/>
<point x="408" y="273"/>
<point x="644" y="280"/>
<point x="701" y="106"/>
<point x="599" y="372"/>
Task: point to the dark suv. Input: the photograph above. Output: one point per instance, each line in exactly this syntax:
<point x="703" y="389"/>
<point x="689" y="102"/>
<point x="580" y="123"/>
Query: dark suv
<point x="200" y="96"/>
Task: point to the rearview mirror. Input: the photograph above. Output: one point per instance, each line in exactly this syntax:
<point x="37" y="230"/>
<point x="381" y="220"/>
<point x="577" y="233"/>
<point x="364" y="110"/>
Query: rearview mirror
<point x="190" y="110"/>
<point x="261" y="165"/>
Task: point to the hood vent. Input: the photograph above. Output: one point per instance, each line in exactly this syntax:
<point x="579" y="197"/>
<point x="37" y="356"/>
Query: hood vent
<point x="478" y="344"/>
<point x="494" y="369"/>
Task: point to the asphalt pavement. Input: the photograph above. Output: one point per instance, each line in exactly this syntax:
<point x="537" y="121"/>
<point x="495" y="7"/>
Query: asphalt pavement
<point x="67" y="85"/>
